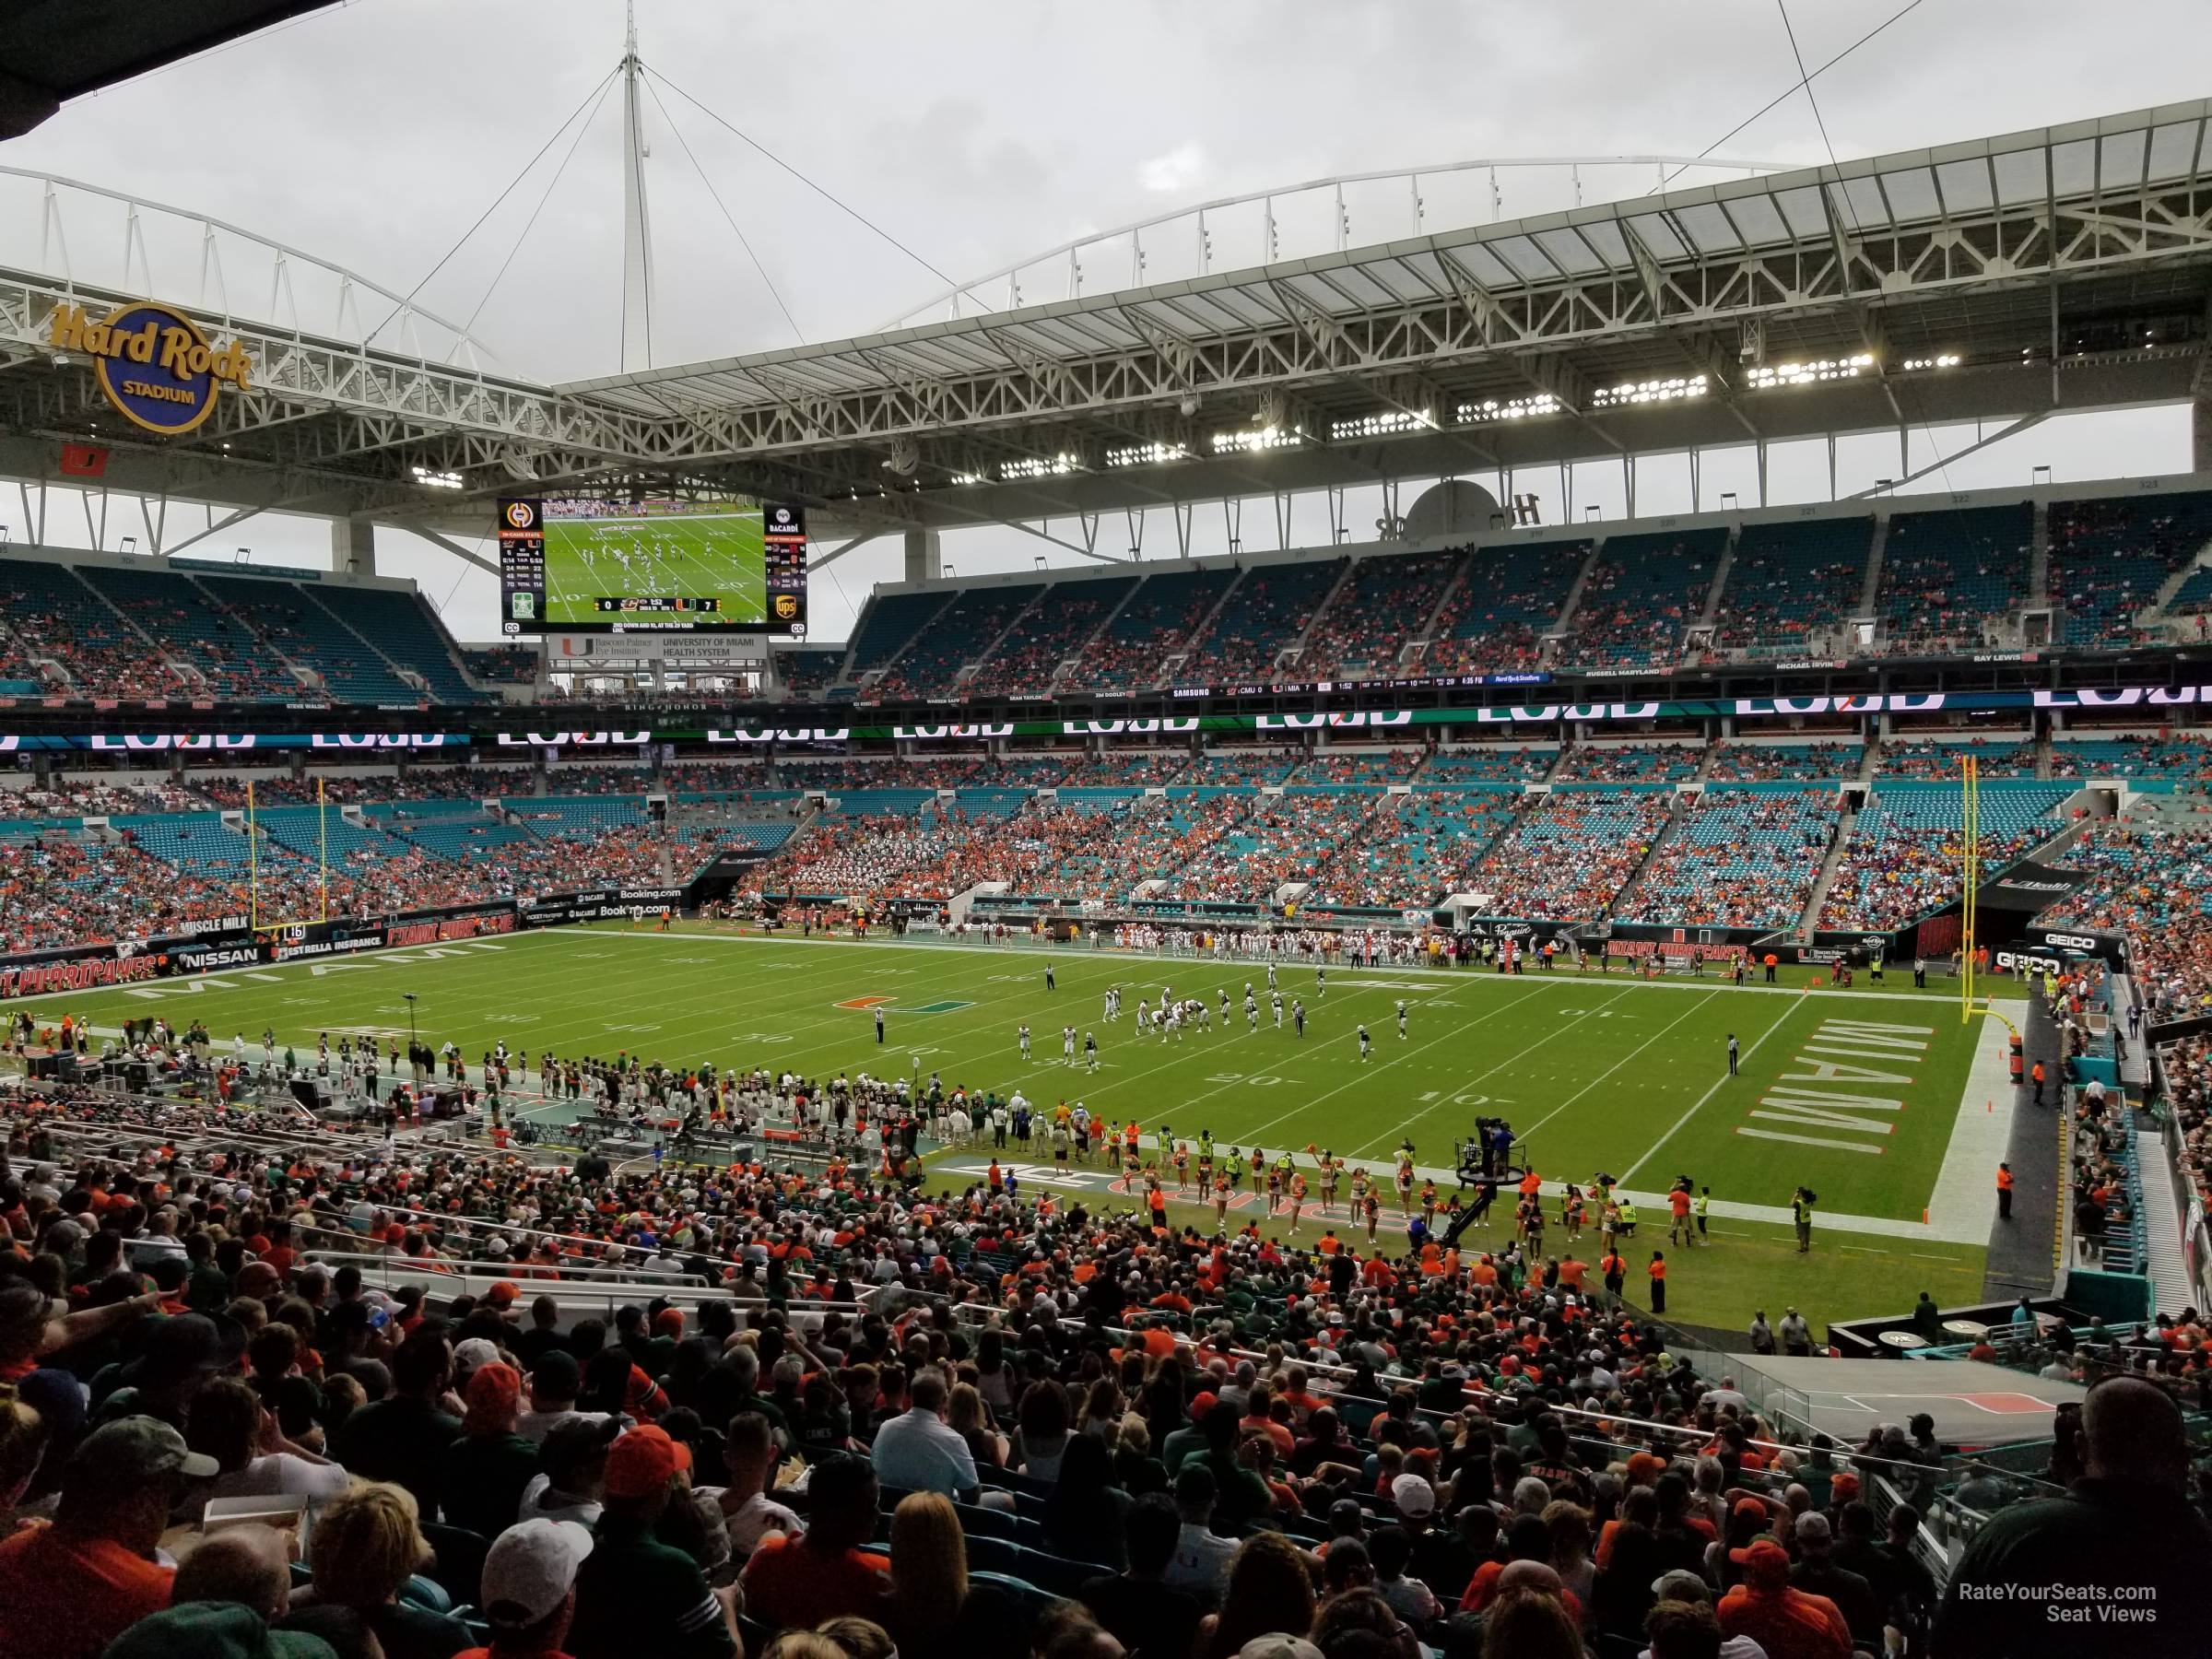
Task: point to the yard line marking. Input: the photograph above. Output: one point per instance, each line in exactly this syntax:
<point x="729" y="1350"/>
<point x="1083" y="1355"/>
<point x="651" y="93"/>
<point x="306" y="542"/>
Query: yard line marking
<point x="1305" y="1106"/>
<point x="1629" y="1174"/>
<point x="1632" y="1054"/>
<point x="1404" y="1131"/>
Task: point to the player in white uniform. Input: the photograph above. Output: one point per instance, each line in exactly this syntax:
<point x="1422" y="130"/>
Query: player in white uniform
<point x="1367" y="1046"/>
<point x="1025" y="1039"/>
<point x="1067" y="1044"/>
<point x="1276" y="998"/>
<point x="1401" y="1019"/>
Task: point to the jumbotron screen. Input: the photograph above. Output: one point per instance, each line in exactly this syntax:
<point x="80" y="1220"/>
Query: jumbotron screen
<point x="581" y="565"/>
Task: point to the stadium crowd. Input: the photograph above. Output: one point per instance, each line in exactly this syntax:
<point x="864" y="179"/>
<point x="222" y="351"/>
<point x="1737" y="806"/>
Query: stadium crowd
<point x="878" y="1419"/>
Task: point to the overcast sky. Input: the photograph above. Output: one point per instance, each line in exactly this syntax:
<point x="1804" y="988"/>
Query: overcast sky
<point x="374" y="135"/>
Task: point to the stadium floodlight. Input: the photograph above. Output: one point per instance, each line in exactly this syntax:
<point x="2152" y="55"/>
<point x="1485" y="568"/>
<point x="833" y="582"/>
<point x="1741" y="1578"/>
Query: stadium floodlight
<point x="1039" y="466"/>
<point x="968" y="477"/>
<point x="1147" y="454"/>
<point x="1507" y="409"/>
<point x="1385" y="423"/>
<point x="1806" y="374"/>
<point x="1267" y="437"/>
<point x="438" y="480"/>
<point x="1669" y="390"/>
<point x="1948" y="359"/>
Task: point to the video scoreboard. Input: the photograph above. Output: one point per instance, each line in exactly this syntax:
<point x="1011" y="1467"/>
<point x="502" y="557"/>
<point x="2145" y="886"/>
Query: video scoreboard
<point x="651" y="565"/>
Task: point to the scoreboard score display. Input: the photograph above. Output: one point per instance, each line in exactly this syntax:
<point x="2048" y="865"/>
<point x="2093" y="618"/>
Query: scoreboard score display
<point x="651" y="565"/>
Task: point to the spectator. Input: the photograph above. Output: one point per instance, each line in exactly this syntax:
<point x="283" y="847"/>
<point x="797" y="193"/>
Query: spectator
<point x="555" y="1380"/>
<point x="572" y="1482"/>
<point x="367" y="1545"/>
<point x="824" y="1573"/>
<point x="1530" y="1620"/>
<point x="69" y="1588"/>
<point x="407" y="1437"/>
<point x="919" y="1451"/>
<point x="227" y="1422"/>
<point x="1268" y="1589"/>
<point x="934" y="1612"/>
<point x="1786" y="1623"/>
<point x="636" y="1595"/>
<point x="1149" y="1617"/>
<point x="1201" y="1559"/>
<point x="530" y="1588"/>
<point x="748" y="1514"/>
<point x="1083" y="1515"/>
<point x="491" y="1466"/>
<point x="2126" y="1523"/>
<point x="1817" y="1573"/>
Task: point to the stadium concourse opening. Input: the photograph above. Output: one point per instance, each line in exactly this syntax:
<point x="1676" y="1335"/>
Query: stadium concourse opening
<point x="1572" y="1080"/>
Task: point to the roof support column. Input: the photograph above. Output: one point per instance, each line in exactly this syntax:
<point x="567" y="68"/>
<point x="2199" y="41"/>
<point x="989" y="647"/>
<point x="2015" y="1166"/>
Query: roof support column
<point x="2200" y="429"/>
<point x="925" y="555"/>
<point x="353" y="546"/>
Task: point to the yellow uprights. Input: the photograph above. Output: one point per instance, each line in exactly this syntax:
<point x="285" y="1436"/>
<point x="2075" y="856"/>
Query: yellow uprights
<point x="252" y="865"/>
<point x="1969" y="815"/>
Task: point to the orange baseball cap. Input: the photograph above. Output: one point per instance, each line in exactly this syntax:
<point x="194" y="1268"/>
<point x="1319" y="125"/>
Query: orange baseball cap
<point x="643" y="1461"/>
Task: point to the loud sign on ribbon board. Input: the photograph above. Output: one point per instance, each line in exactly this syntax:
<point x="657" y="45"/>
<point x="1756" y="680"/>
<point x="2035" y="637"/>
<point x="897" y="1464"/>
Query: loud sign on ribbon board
<point x="155" y="365"/>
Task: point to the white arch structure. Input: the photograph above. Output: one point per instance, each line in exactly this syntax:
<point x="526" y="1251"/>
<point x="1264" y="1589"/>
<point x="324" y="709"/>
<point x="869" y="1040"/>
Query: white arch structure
<point x="1189" y="231"/>
<point x="275" y="285"/>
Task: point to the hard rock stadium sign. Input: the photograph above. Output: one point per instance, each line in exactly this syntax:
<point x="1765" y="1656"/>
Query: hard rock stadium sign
<point x="157" y="368"/>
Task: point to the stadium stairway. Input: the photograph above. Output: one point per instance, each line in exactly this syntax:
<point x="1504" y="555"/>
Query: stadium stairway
<point x="1068" y="664"/>
<point x="1204" y="626"/>
<point x="970" y="668"/>
<point x="1710" y="609"/>
<point x="1562" y="625"/>
<point x="1422" y="637"/>
<point x="2038" y="552"/>
<point x="1870" y="591"/>
<point x="2170" y="1287"/>
<point x="2173" y="585"/>
<point x="1803" y="932"/>
<point x="1297" y="646"/>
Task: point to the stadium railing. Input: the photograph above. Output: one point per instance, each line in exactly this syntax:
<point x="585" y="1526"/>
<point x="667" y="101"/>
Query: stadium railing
<point x="595" y="1296"/>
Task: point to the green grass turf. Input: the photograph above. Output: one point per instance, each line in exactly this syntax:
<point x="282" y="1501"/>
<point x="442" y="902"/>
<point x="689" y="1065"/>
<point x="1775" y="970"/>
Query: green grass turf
<point x="1603" y="1073"/>
<point x="718" y="554"/>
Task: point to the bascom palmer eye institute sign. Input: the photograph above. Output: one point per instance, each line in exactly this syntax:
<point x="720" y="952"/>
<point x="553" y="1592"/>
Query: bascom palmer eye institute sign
<point x="161" y="373"/>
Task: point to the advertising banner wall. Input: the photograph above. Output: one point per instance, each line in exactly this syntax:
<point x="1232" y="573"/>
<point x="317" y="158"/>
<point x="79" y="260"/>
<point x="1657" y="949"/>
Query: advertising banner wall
<point x="133" y="961"/>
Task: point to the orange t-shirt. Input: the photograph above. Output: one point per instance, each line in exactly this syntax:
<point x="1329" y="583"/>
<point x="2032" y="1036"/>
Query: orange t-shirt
<point x="66" y="1598"/>
<point x="797" y="1587"/>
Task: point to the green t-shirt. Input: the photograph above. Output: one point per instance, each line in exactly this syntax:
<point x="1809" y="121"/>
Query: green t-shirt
<point x="636" y="1596"/>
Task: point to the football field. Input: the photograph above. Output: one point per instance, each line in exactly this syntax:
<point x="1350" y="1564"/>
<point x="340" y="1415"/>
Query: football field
<point x="662" y="556"/>
<point x="1856" y="1093"/>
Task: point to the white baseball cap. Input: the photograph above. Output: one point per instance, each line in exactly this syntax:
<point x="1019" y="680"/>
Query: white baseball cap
<point x="531" y="1567"/>
<point x="1413" y="1495"/>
